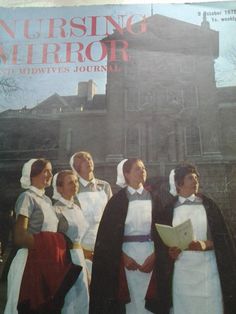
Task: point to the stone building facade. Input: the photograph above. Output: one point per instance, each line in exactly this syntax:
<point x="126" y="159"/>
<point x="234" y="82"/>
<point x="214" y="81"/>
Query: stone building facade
<point x="165" y="107"/>
<point x="162" y="105"/>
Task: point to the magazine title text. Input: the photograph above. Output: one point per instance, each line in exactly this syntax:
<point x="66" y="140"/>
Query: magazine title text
<point x="74" y="40"/>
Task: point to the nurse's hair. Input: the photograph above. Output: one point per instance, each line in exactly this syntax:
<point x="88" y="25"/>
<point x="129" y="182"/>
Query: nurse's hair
<point x="79" y="155"/>
<point x="61" y="176"/>
<point x="182" y="170"/>
<point x="82" y="154"/>
<point x="38" y="166"/>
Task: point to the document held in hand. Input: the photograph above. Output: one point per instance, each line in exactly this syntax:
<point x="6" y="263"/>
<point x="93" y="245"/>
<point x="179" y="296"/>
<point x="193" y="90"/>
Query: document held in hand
<point x="179" y="236"/>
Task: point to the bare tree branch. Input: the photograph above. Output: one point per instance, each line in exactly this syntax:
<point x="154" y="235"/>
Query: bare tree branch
<point x="8" y="85"/>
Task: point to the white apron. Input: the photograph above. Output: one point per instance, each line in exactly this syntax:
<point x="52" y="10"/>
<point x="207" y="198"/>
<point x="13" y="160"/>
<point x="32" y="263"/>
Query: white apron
<point x="196" y="284"/>
<point x="77" y="299"/>
<point x="92" y="205"/>
<point x="138" y="222"/>
<point x="17" y="267"/>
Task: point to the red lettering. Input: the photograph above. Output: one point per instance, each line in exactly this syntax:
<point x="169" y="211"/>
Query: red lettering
<point x="14" y="54"/>
<point x="80" y="58"/>
<point x="2" y="55"/>
<point x="142" y="24"/>
<point x="117" y="46"/>
<point x="54" y="53"/>
<point x="115" y="24"/>
<point x="30" y="54"/>
<point x="80" y="27"/>
<point x="88" y="51"/>
<point x="93" y="25"/>
<point x="52" y="27"/>
<point x="27" y="27"/>
<point x="9" y="31"/>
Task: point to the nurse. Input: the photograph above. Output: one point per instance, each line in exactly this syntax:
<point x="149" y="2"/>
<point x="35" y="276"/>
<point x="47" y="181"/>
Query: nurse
<point x="72" y="223"/>
<point x="93" y="197"/>
<point x="36" y="233"/>
<point x="204" y="275"/>
<point x="124" y="276"/>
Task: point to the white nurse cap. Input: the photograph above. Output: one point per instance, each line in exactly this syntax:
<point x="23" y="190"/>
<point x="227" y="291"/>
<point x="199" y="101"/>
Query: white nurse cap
<point x="25" y="176"/>
<point x="120" y="180"/>
<point x="72" y="162"/>
<point x="56" y="195"/>
<point x="173" y="190"/>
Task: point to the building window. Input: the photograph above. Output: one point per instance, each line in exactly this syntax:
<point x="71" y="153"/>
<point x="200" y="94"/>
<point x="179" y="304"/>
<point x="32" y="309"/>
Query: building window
<point x="161" y="96"/>
<point x="131" y="99"/>
<point x="190" y="96"/>
<point x="175" y="97"/>
<point x="69" y="140"/>
<point x="193" y="140"/>
<point x="132" y="142"/>
<point x="146" y="97"/>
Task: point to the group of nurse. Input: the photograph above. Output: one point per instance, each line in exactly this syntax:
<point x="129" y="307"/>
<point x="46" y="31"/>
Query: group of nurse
<point x="62" y="289"/>
<point x="122" y="264"/>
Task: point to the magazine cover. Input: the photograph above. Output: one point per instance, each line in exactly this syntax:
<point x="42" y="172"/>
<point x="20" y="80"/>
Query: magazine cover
<point x="155" y="81"/>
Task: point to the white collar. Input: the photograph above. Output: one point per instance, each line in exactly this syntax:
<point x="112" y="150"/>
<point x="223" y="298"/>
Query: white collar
<point x="132" y="190"/>
<point x="190" y="198"/>
<point x="37" y="191"/>
<point x="68" y="203"/>
<point x="85" y="182"/>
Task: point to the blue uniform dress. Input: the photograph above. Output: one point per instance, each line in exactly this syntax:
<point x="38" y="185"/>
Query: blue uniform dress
<point x="37" y="207"/>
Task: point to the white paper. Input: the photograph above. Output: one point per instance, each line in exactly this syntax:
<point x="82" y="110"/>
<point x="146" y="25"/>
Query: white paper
<point x="179" y="236"/>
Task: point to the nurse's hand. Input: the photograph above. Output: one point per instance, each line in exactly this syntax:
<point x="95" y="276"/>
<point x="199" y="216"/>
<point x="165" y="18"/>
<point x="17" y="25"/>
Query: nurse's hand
<point x="130" y="263"/>
<point x="148" y="264"/>
<point x="200" y="245"/>
<point x="196" y="246"/>
<point x="174" y="252"/>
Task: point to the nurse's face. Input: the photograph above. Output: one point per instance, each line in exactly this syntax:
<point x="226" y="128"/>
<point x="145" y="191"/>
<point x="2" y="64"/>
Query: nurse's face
<point x="84" y="164"/>
<point x="137" y="174"/>
<point x="70" y="186"/>
<point x="44" y="178"/>
<point x="190" y="185"/>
